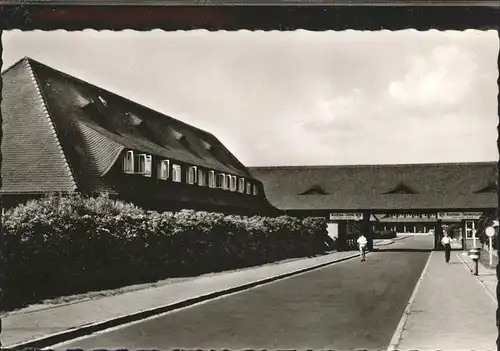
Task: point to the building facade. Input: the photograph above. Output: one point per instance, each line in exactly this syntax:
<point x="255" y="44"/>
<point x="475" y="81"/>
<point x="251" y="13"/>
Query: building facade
<point x="411" y="198"/>
<point x="64" y="135"/>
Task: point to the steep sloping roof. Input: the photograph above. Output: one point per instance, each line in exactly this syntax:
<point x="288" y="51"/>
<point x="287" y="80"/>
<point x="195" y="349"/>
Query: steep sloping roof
<point x="132" y="125"/>
<point x="77" y="131"/>
<point x="427" y="186"/>
<point x="33" y="159"/>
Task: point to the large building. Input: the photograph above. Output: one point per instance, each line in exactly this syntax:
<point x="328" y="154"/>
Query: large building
<point x="404" y="198"/>
<point x="64" y="135"/>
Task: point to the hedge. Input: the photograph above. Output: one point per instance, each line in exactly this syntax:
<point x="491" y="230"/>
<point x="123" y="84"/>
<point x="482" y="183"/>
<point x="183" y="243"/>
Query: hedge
<point x="62" y="245"/>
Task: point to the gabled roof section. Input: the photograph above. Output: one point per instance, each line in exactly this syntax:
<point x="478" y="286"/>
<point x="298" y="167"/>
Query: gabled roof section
<point x="366" y="187"/>
<point x="33" y="157"/>
<point x="401" y="188"/>
<point x="72" y="102"/>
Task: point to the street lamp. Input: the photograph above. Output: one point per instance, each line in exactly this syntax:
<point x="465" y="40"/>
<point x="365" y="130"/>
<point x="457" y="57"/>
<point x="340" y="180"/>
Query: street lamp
<point x="490" y="232"/>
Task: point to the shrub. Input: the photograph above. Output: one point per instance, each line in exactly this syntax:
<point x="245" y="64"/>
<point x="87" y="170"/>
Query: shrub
<point x="71" y="244"/>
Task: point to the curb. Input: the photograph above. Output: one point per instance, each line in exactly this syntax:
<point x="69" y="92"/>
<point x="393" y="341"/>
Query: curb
<point x="67" y="335"/>
<point x="396" y="338"/>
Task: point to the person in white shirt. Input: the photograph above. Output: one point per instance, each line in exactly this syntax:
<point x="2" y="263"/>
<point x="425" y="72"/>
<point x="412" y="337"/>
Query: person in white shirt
<point x="446" y="242"/>
<point x="362" y="246"/>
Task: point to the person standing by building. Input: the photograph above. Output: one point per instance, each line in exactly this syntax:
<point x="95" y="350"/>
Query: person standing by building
<point x="362" y="242"/>
<point x="438" y="234"/>
<point x="446" y="241"/>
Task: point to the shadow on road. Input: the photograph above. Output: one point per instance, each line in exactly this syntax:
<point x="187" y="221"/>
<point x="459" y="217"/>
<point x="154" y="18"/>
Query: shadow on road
<point x="401" y="250"/>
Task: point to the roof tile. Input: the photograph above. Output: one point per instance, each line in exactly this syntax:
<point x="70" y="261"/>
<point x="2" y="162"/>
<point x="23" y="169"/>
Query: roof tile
<point x="33" y="161"/>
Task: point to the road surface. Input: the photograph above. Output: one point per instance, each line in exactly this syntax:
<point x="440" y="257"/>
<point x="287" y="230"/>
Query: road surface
<point x="348" y="305"/>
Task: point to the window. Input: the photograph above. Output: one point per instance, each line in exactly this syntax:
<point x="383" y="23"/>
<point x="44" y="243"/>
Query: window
<point x="163" y="169"/>
<point x="220" y="181"/>
<point x="241" y="185"/>
<point x="176" y="173"/>
<point x="227" y="183"/>
<point x="255" y="189"/>
<point x="233" y="185"/>
<point x="191" y="174"/>
<point x="211" y="179"/>
<point x="144" y="165"/>
<point x="470" y="229"/>
<point x="201" y="178"/>
<point x="128" y="162"/>
<point x="249" y="188"/>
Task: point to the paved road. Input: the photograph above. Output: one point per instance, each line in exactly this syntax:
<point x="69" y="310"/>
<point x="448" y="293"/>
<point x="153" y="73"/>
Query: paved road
<point x="349" y="305"/>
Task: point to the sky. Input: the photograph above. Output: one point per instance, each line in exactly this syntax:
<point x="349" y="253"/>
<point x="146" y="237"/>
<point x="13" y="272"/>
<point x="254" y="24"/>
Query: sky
<point x="298" y="97"/>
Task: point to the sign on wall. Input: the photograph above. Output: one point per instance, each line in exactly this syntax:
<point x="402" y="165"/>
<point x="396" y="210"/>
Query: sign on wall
<point x="459" y="215"/>
<point x="346" y="216"/>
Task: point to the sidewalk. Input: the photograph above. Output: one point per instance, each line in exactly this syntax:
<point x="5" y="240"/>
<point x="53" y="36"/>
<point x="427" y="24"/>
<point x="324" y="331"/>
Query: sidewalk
<point x="451" y="309"/>
<point x="486" y="276"/>
<point x="80" y="318"/>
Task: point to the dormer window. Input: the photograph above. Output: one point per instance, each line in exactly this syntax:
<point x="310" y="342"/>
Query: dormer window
<point x="211" y="179"/>
<point x="201" y="178"/>
<point x="191" y="174"/>
<point x="255" y="189"/>
<point x="178" y="135"/>
<point x="133" y="119"/>
<point x="241" y="185"/>
<point x="401" y="188"/>
<point x="249" y="188"/>
<point x="314" y="190"/>
<point x="491" y="187"/>
<point x="163" y="169"/>
<point x="144" y="165"/>
<point x="128" y="162"/>
<point x="104" y="102"/>
<point x="81" y="101"/>
<point x="206" y="145"/>
<point x="233" y="186"/>
<point x="176" y="173"/>
<point x="96" y="112"/>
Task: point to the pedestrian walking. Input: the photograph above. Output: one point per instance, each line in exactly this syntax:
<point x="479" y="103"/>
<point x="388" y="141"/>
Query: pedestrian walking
<point x="362" y="242"/>
<point x="446" y="241"/>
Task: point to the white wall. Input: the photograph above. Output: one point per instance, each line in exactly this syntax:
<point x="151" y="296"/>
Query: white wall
<point x="333" y="230"/>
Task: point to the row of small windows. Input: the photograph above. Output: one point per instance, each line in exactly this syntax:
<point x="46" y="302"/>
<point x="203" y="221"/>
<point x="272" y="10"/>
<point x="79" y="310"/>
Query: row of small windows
<point x="142" y="164"/>
<point x="412" y="215"/>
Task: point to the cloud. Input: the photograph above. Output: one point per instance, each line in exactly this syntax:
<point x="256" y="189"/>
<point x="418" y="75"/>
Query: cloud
<point x="443" y="78"/>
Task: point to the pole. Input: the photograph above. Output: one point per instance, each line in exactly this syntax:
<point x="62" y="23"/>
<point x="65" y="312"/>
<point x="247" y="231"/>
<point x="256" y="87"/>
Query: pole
<point x="474" y="237"/>
<point x="462" y="238"/>
<point x="491" y="250"/>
